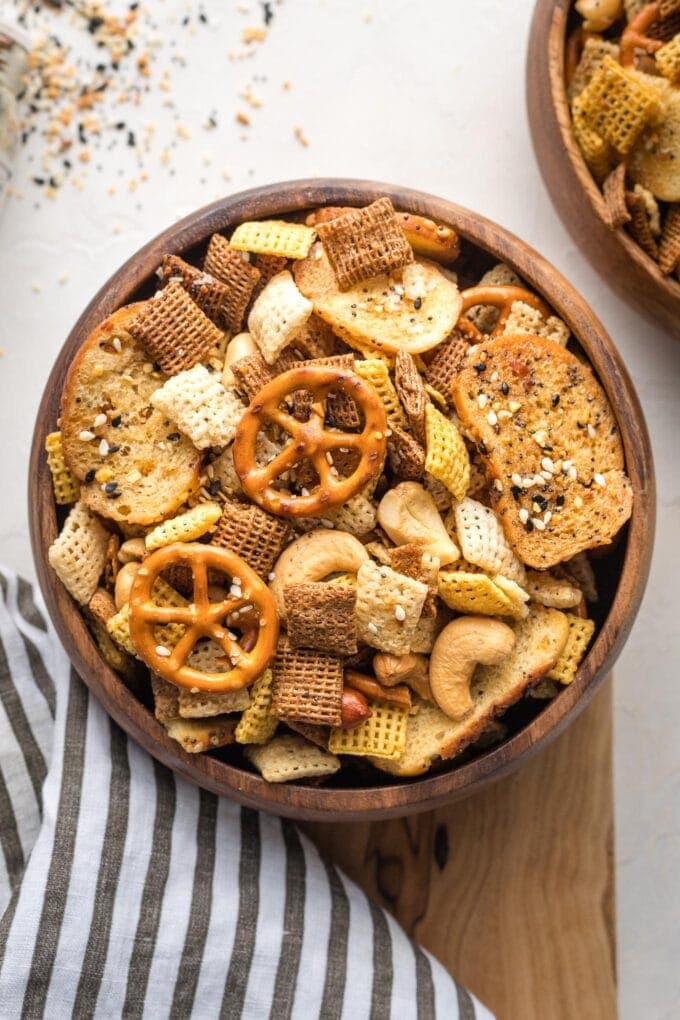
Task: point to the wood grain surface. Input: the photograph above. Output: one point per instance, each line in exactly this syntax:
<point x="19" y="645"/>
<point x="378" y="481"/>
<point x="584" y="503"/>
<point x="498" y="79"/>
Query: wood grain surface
<point x="621" y="574"/>
<point x="614" y="254"/>
<point x="511" y="888"/>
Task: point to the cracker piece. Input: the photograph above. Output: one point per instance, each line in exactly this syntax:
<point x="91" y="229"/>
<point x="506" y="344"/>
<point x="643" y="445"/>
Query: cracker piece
<point x="314" y="734"/>
<point x="357" y="516"/>
<point x="406" y="455"/>
<point x="411" y="559"/>
<point x="321" y="616"/>
<point x="425" y="633"/>
<point x="204" y="705"/>
<point x="525" y="319"/>
<point x="278" y="314"/>
<point x="211" y="295"/>
<point x="257" y="725"/>
<point x="388" y="607"/>
<point x="316" y="339"/>
<point x="253" y="534"/>
<point x="448" y="358"/>
<point x="546" y="456"/>
<point x="412" y="309"/>
<point x="552" y="591"/>
<point x="382" y="735"/>
<point x="430" y="734"/>
<point x="238" y="276"/>
<point x="578" y="639"/>
<point x="78" y="553"/>
<point x="274" y="237"/>
<point x="475" y="593"/>
<point x="111" y="376"/>
<point x="175" y="331"/>
<point x="617" y="105"/>
<point x="364" y="243"/>
<point x="592" y="57"/>
<point x="185" y="527"/>
<point x="381" y="553"/>
<point x="614" y="192"/>
<point x="375" y="372"/>
<point x="165" y="699"/>
<point x="307" y="685"/>
<point x="200" y="406"/>
<point x="64" y="483"/>
<point x="482" y="540"/>
<point x="118" y="629"/>
<point x="289" y="757"/>
<point x="102" y="606"/>
<point x="447" y="458"/>
<point x="596" y="150"/>
<point x="412" y="393"/>
<point x="668" y="60"/>
<point x="198" y="735"/>
<point x="669" y="245"/>
<point x="652" y="206"/>
<point x="640" y="225"/>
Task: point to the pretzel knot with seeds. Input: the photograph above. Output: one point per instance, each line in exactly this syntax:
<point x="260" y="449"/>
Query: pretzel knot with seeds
<point x="502" y="298"/>
<point x="312" y="440"/>
<point x="250" y="609"/>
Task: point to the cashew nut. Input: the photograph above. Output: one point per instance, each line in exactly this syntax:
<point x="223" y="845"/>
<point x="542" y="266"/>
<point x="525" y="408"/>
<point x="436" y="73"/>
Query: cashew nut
<point x="408" y="514"/>
<point x="239" y="347"/>
<point x="124" y="579"/>
<point x="314" y="556"/>
<point x="132" y="549"/>
<point x="410" y="669"/>
<point x="599" y="15"/>
<point x="460" y="646"/>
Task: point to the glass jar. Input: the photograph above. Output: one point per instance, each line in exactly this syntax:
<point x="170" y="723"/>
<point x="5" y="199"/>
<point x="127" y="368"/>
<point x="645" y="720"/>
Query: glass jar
<point x="13" y="67"/>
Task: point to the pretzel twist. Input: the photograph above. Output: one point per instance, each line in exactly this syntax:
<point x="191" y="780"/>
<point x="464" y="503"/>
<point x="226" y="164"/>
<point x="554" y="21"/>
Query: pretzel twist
<point x="502" y="298"/>
<point x="633" y="36"/>
<point x="310" y="440"/>
<point x="202" y="618"/>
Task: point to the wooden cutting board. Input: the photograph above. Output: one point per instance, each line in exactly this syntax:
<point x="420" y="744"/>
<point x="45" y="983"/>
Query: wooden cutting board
<point x="513" y="888"/>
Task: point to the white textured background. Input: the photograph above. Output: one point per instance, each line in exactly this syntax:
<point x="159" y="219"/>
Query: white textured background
<point x="423" y="94"/>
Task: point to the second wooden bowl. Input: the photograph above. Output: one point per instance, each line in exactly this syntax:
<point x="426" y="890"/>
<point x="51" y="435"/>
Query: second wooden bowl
<point x="613" y="253"/>
<point x="621" y="575"/>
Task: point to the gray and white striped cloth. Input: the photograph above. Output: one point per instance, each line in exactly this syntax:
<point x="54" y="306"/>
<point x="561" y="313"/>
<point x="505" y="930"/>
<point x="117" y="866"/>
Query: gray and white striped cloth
<point x="127" y="892"/>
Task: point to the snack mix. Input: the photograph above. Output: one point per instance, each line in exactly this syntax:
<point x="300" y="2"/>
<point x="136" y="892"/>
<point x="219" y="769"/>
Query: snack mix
<point x="326" y="505"/>
<point x="622" y="73"/>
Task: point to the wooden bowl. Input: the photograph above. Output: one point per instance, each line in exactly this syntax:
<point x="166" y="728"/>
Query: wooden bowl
<point x="621" y="574"/>
<point x="613" y="253"/>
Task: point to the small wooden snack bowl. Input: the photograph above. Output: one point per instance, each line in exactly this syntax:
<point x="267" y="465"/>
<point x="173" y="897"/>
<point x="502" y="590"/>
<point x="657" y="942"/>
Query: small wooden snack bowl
<point x="620" y="261"/>
<point x="357" y="793"/>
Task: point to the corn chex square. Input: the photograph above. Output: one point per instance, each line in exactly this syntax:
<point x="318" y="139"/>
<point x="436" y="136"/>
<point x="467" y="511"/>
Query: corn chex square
<point x="447" y="458"/>
<point x="595" y="149"/>
<point x="200" y="406"/>
<point x="307" y="685"/>
<point x="668" y="60"/>
<point x="236" y="274"/>
<point x="363" y="243"/>
<point x="167" y="634"/>
<point x="578" y="639"/>
<point x="289" y="757"/>
<point x="174" y="330"/>
<point x="78" y="553"/>
<point x="383" y="734"/>
<point x="185" y="527"/>
<point x="278" y="314"/>
<point x="375" y="372"/>
<point x="389" y="606"/>
<point x="274" y="237"/>
<point x="474" y="593"/>
<point x="617" y="105"/>
<point x="482" y="540"/>
<point x="257" y="725"/>
<point x="64" y="483"/>
<point x="196" y="736"/>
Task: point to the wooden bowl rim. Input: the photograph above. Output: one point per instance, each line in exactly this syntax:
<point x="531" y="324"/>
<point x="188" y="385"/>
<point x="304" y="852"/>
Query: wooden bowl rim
<point x="546" y="59"/>
<point x="393" y="799"/>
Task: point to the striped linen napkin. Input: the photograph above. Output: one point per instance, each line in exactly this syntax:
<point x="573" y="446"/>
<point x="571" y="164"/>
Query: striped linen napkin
<point x="127" y="892"/>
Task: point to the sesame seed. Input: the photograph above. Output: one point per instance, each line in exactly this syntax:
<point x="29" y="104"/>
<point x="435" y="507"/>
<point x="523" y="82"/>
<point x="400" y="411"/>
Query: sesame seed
<point x="547" y="465"/>
<point x="572" y="473"/>
<point x="578" y="502"/>
<point x="498" y="485"/>
<point x="547" y="517"/>
<point x="329" y="456"/>
<point x="163" y="651"/>
<point x="482" y="400"/>
<point x="523" y="515"/>
<point x="546" y="476"/>
<point x="566" y="465"/>
<point x="504" y="415"/>
<point x="591" y="431"/>
<point x="117" y="346"/>
<point x="514" y="406"/>
<point x="101" y="419"/>
<point x="400" y="613"/>
<point x="599" y="480"/>
<point x="103" y="448"/>
<point x="86" y="436"/>
<point x="494" y="377"/>
<point x="271" y="576"/>
<point x="528" y="482"/>
<point x="371" y="627"/>
<point x="492" y="418"/>
<point x="516" y="480"/>
<point x="538" y="523"/>
<point x="304" y="491"/>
